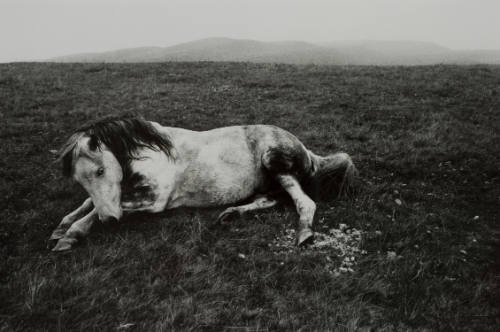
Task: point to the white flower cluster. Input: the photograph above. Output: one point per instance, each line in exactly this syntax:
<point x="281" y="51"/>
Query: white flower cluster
<point x="340" y="247"/>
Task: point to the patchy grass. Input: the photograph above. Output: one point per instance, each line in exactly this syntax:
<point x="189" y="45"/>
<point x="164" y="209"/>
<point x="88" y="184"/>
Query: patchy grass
<point x="426" y="142"/>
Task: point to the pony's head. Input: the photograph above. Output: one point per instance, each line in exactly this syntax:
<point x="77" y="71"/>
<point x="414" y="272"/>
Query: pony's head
<point x="92" y="164"/>
<point x="98" y="157"/>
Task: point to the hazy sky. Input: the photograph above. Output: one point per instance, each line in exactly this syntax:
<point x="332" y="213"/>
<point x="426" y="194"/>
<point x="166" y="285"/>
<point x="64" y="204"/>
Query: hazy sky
<point x="38" y="29"/>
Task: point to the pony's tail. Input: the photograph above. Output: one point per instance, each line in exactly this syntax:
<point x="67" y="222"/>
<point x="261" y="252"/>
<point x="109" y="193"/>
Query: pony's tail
<point x="332" y="176"/>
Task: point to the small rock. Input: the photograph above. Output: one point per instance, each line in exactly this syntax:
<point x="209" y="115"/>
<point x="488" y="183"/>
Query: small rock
<point x="242" y="256"/>
<point x="475" y="218"/>
<point x="398" y="201"/>
<point x="391" y="255"/>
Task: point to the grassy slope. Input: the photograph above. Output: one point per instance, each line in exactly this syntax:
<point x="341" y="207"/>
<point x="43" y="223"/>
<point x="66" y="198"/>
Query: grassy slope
<point x="426" y="135"/>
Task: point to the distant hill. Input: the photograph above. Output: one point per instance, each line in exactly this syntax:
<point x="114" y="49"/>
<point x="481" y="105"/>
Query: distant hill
<point x="217" y="49"/>
<point x="371" y="52"/>
<point x="296" y="52"/>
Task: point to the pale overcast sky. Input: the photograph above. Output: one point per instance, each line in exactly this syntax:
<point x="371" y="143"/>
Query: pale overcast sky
<point x="38" y="29"/>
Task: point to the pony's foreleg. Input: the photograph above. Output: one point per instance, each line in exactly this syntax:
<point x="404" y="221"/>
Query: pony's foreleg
<point x="78" y="229"/>
<point x="262" y="202"/>
<point x="304" y="204"/>
<point x="68" y="220"/>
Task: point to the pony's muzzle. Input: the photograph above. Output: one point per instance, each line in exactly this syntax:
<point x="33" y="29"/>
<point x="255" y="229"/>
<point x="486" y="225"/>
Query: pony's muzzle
<point x="108" y="220"/>
<point x="110" y="217"/>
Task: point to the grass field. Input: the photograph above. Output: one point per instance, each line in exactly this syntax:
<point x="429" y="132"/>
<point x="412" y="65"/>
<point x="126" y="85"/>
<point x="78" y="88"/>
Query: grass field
<point x="426" y="141"/>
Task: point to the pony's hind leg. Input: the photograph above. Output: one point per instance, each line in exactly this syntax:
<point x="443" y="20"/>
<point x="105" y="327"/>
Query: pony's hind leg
<point x="68" y="220"/>
<point x="261" y="202"/>
<point x="78" y="229"/>
<point x="305" y="207"/>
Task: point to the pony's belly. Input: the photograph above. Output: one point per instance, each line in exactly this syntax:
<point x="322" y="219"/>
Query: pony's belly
<point x="216" y="193"/>
<point x="217" y="186"/>
<point x="216" y="167"/>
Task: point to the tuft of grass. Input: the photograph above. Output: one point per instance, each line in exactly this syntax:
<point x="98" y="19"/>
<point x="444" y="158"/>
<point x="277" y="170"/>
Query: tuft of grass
<point x="425" y="140"/>
<point x="35" y="285"/>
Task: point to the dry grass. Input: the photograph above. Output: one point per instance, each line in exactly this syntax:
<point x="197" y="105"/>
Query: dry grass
<point x="426" y="142"/>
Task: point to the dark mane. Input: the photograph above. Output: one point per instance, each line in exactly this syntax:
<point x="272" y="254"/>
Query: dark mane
<point x="122" y="135"/>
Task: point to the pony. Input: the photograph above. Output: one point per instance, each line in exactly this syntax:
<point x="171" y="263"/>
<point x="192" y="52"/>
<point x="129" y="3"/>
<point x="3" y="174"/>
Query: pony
<point x="128" y="164"/>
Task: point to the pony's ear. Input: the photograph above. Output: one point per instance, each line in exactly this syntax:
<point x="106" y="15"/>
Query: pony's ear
<point x="93" y="143"/>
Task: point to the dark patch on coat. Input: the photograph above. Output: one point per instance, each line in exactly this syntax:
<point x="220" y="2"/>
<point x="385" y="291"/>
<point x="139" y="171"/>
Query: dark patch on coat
<point x="136" y="189"/>
<point x="287" y="156"/>
<point x="123" y="135"/>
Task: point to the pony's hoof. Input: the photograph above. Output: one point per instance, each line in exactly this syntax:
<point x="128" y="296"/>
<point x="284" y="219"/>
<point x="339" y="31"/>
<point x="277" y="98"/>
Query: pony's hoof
<point x="52" y="241"/>
<point x="228" y="213"/>
<point x="64" y="244"/>
<point x="305" y="236"/>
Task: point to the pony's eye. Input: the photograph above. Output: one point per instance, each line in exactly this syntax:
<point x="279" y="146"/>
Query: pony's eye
<point x="100" y="171"/>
